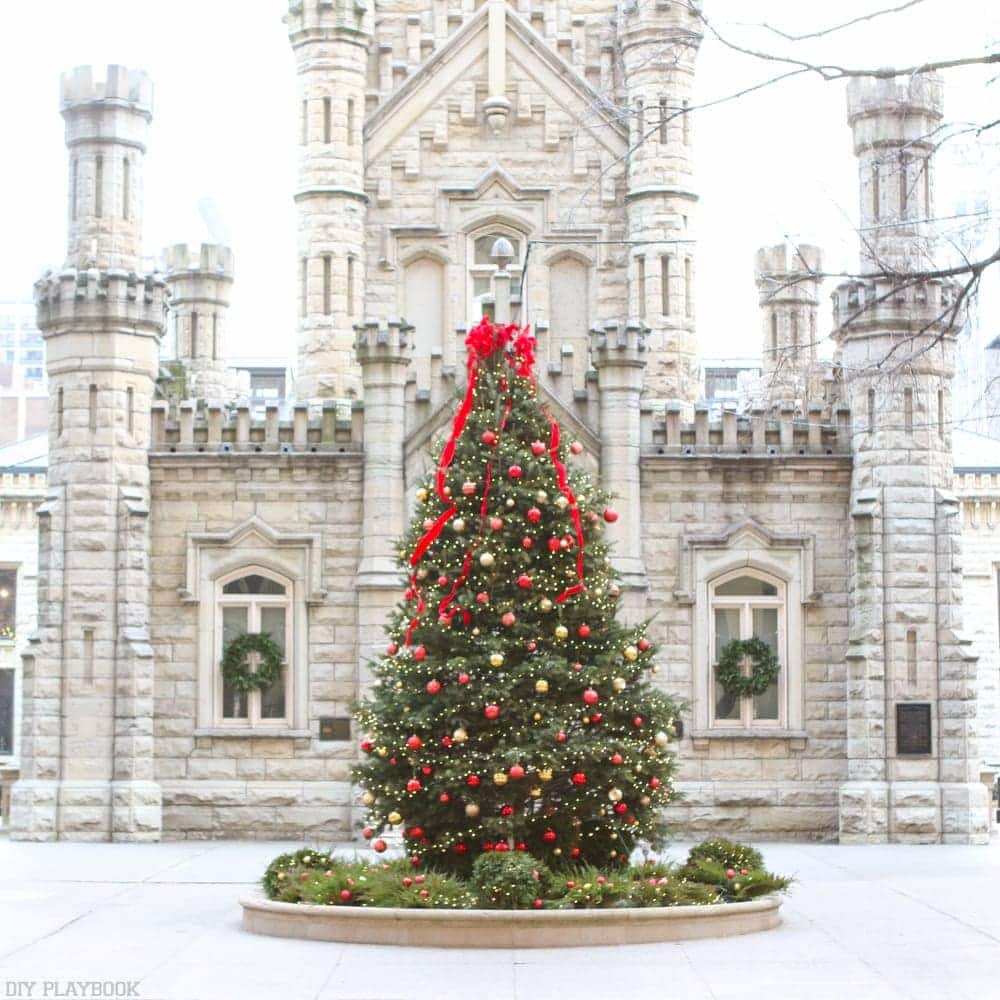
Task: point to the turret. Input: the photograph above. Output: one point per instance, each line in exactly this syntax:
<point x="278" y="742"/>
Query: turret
<point x="200" y="284"/>
<point x="88" y="688"/>
<point x="106" y="125"/>
<point x="659" y="44"/>
<point x="911" y="678"/>
<point x="788" y="282"/>
<point x="330" y="42"/>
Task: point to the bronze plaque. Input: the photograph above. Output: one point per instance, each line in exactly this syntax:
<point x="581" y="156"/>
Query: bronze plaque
<point x="913" y="728"/>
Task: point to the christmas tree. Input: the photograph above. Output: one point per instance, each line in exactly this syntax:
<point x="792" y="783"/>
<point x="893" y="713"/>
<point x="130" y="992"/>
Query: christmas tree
<point x="511" y="710"/>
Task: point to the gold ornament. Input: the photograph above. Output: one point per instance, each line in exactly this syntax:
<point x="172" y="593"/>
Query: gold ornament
<point x="661" y="739"/>
<point x="496" y="659"/>
<point x="537" y="717"/>
<point x="472" y="810"/>
<point x="561" y="502"/>
<point x="510" y="501"/>
<point x="486" y="559"/>
<point x="644" y="800"/>
<point x="619" y="683"/>
<point x="545" y="774"/>
<point x="542" y="497"/>
<point x="615" y="794"/>
<point x="631" y="653"/>
<point x="545" y="604"/>
<point x="368" y="799"/>
<point x="558" y="850"/>
<point x="459" y="735"/>
<point x="382" y="751"/>
<point x="422" y="573"/>
<point x="536" y="793"/>
<point x="394" y="817"/>
<point x="542" y="686"/>
<point x="475" y="631"/>
<point x="447" y="491"/>
<point x="458" y="525"/>
<point x="422" y="495"/>
<point x="406" y="709"/>
<point x="499" y="778"/>
<point x="561" y="632"/>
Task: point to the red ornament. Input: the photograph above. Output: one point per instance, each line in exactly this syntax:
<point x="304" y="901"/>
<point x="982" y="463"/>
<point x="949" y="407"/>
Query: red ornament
<point x="496" y="523"/>
<point x="482" y="597"/>
<point x="555" y="544"/>
<point x="446" y="741"/>
<point x="460" y="848"/>
<point x="413" y="785"/>
<point x="590" y="696"/>
<point x="611" y="515"/>
<point x="489" y="438"/>
<point x="532" y="646"/>
<point x="392" y="649"/>
<point x="578" y="667"/>
<point x="643" y="644"/>
<point x="393" y="761"/>
<point x="538" y="904"/>
<point x="442" y="581"/>
<point x="617" y="758"/>
<point x="433" y="686"/>
<point x="463" y="678"/>
<point x="367" y="746"/>
<point x="524" y="581"/>
<point x="575" y="852"/>
<point x="427" y="770"/>
<point x="534" y="515"/>
<point x="419" y="653"/>
<point x="508" y="618"/>
<point x="515" y="472"/>
<point x="472" y="781"/>
<point x="444" y="797"/>
<point x="637" y="721"/>
<point x="520" y="846"/>
<point x="583" y="631"/>
<point x="415" y="832"/>
<point x="506" y="810"/>
<point x="516" y="771"/>
<point x="424" y="893"/>
<point x="492" y="711"/>
<point x="368" y="833"/>
<point x="468" y="487"/>
<point x="744" y="871"/>
<point x="620" y="807"/>
<point x="415" y="860"/>
<point x="407" y="882"/>
<point x="579" y="778"/>
<point x="414" y="743"/>
<point x="379" y="846"/>
<point x="730" y="873"/>
<point x="654" y="782"/>
<point x="596" y="718"/>
<point x="345" y="894"/>
<point x="549" y="836"/>
<point x="537" y="448"/>
<point x="560" y="737"/>
<point x="576" y="447"/>
<point x="526" y="542"/>
<point x="410" y="593"/>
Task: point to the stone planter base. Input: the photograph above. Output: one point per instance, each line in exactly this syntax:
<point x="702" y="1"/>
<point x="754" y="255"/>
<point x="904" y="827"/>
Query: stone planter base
<point x="506" y="928"/>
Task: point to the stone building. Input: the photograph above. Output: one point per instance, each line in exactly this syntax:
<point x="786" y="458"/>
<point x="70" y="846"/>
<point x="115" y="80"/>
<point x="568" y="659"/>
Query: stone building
<point x="821" y="520"/>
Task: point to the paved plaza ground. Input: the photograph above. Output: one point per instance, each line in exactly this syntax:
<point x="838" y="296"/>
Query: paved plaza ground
<point x="861" y="923"/>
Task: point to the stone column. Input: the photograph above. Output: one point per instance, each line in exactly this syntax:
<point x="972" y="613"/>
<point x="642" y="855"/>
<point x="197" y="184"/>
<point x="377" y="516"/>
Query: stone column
<point x="330" y="42"/>
<point x="88" y="721"/>
<point x="620" y="356"/>
<point x="659" y="45"/>
<point x="896" y="337"/>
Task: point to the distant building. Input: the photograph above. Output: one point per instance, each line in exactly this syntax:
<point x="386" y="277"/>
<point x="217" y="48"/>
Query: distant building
<point x="23" y="395"/>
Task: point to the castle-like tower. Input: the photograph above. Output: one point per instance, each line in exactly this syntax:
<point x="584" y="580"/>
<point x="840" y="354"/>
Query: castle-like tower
<point x="330" y="42"/>
<point x="659" y="44"/>
<point x="88" y="675"/>
<point x="199" y="284"/>
<point x="896" y="335"/>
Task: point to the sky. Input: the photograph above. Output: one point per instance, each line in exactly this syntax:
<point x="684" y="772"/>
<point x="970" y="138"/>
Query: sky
<point x="776" y="164"/>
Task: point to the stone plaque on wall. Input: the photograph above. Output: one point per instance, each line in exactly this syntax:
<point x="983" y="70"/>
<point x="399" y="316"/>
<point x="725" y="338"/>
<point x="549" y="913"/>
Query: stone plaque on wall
<point x="913" y="728"/>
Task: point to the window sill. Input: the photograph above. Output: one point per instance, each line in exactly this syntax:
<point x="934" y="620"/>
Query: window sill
<point x="224" y="733"/>
<point x="796" y="737"/>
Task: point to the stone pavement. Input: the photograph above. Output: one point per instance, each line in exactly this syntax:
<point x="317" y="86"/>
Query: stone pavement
<point x="861" y="922"/>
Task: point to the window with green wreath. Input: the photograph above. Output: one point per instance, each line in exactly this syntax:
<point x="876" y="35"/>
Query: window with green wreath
<point x="253" y="639"/>
<point x="748" y="650"/>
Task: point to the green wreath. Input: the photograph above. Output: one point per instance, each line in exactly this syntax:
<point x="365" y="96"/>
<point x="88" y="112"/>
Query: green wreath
<point x="236" y="670"/>
<point x="728" y="670"/>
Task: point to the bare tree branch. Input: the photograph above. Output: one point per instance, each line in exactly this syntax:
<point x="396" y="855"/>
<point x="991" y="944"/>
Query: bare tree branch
<point x="836" y="27"/>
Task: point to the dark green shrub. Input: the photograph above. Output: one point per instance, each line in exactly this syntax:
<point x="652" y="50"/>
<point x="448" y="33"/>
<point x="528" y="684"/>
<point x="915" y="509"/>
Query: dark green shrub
<point x="282" y="878"/>
<point x="509" y="881"/>
<point x="588" y="887"/>
<point x="741" y="885"/>
<point x="727" y="853"/>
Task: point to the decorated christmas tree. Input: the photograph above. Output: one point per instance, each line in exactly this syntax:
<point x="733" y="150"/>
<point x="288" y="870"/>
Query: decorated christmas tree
<point x="511" y="710"/>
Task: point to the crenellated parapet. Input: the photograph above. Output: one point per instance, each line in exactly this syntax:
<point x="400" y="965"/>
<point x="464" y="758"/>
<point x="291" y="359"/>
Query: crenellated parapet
<point x="387" y="341"/>
<point x="196" y="428"/>
<point x="100" y="302"/>
<point x="896" y="305"/>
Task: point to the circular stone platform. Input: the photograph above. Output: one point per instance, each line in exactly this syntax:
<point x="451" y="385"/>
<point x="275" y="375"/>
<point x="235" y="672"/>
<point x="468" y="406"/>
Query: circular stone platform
<point x="506" y="928"/>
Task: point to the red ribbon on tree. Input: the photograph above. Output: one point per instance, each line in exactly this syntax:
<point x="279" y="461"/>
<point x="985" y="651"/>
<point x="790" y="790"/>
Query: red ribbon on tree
<point x="483" y="341"/>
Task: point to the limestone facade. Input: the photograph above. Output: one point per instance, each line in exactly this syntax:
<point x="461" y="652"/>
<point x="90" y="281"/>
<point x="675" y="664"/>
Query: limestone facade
<point x="427" y="132"/>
